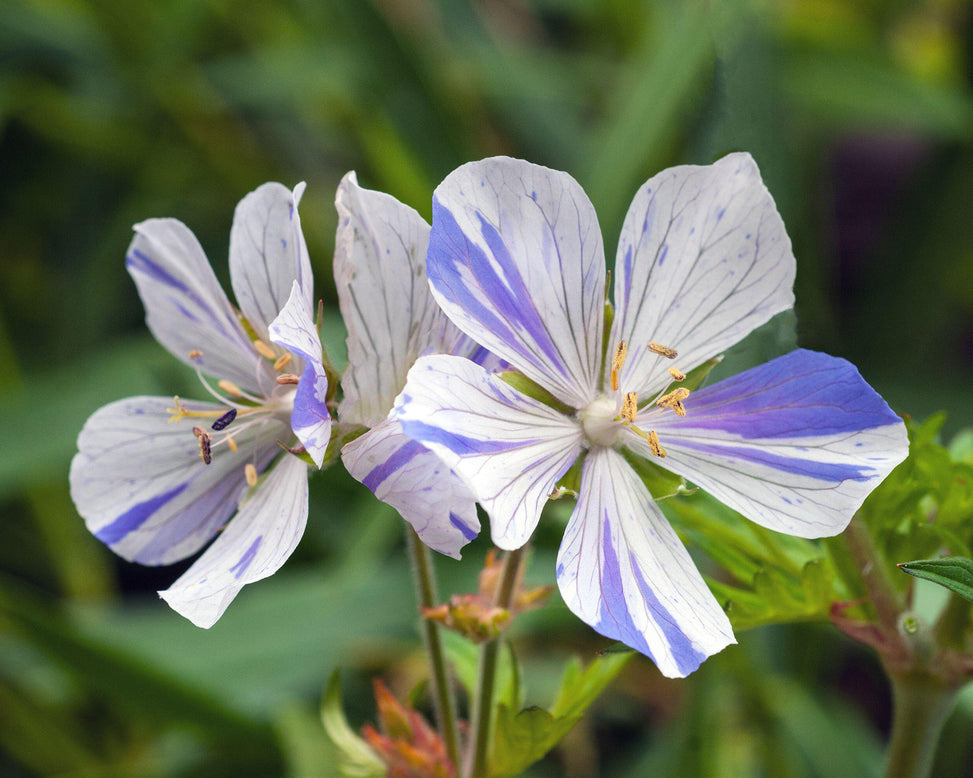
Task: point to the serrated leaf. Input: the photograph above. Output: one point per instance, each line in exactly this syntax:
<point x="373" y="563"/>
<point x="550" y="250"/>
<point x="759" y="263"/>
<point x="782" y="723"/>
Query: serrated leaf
<point x="358" y="759"/>
<point x="954" y="573"/>
<point x="522" y="738"/>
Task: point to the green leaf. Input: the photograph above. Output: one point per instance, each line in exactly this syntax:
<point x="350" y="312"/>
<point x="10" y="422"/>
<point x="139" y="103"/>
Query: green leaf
<point x="358" y="758"/>
<point x="522" y="738"/>
<point x="955" y="573"/>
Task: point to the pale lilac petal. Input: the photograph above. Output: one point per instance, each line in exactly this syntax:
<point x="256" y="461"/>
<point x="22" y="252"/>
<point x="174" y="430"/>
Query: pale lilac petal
<point x="256" y="542"/>
<point x="702" y="260"/>
<point x="795" y="444"/>
<point x="516" y="261"/>
<point x="268" y="254"/>
<point x="392" y="318"/>
<point x="622" y="569"/>
<point x="185" y="307"/>
<point x="414" y="481"/>
<point x="142" y="488"/>
<point x="510" y="449"/>
<point x="310" y="419"/>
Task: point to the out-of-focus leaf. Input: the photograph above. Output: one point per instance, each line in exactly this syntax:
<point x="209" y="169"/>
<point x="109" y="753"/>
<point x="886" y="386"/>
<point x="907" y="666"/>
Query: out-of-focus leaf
<point x="522" y="738"/>
<point x="358" y="759"/>
<point x="307" y="751"/>
<point x="954" y="573"/>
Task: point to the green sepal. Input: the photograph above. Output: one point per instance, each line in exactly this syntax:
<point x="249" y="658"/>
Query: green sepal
<point x="357" y="757"/>
<point x="952" y="572"/>
<point x="532" y="389"/>
<point x="660" y="482"/>
<point x="522" y="738"/>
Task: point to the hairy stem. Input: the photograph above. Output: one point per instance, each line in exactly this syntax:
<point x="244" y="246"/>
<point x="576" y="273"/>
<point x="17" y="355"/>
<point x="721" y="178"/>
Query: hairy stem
<point x="442" y="691"/>
<point x="476" y="757"/>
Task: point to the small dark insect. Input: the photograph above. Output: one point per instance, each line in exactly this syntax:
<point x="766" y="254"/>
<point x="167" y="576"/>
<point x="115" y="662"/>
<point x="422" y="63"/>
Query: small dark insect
<point x="225" y="420"/>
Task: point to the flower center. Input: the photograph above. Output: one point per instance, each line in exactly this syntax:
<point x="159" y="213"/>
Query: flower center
<point x="600" y="421"/>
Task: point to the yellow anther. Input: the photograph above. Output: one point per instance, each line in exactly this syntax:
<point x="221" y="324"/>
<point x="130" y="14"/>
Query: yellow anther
<point x="654" y="445"/>
<point x="662" y="351"/>
<point x="288" y="378"/>
<point x="618" y="359"/>
<point x="204" y="444"/>
<point x="231" y="443"/>
<point x="195" y="354"/>
<point x="251" y="474"/>
<point x="676" y="396"/>
<point x="630" y="406"/>
<point x="283" y="361"/>
<point x="229" y="387"/>
<point x="263" y="349"/>
<point x="677" y="375"/>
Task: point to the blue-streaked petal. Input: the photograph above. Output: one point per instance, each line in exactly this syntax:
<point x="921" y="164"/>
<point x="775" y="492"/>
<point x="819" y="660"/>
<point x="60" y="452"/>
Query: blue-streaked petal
<point x="380" y="276"/>
<point x="795" y="444"/>
<point x="142" y="488"/>
<point x="310" y="419"/>
<point x="185" y="307"/>
<point x="414" y="481"/>
<point x="256" y="542"/>
<point x="516" y="261"/>
<point x="702" y="260"/>
<point x="622" y="569"/>
<point x="268" y="254"/>
<point x="508" y="448"/>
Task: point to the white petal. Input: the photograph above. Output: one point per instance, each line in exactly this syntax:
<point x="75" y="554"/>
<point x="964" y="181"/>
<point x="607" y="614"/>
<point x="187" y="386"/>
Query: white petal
<point x="622" y="569"/>
<point x="256" y="542"/>
<point x="380" y="275"/>
<point x="185" y="307"/>
<point x="310" y="419"/>
<point x="795" y="444"/>
<point x="414" y="481"/>
<point x="516" y="261"/>
<point x="510" y="449"/>
<point x="703" y="259"/>
<point x="141" y="486"/>
<point x="268" y="254"/>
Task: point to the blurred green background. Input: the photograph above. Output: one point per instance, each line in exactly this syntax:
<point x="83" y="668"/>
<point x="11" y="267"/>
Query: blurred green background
<point x="860" y="116"/>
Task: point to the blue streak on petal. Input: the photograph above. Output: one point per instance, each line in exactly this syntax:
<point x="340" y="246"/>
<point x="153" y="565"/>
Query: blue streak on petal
<point x="392" y="465"/>
<point x="458" y="444"/>
<point x="136" y="516"/>
<point x="468" y="532"/>
<point x="244" y="562"/>
<point x="822" y="471"/>
<point x="449" y="251"/>
<point x="801" y="394"/>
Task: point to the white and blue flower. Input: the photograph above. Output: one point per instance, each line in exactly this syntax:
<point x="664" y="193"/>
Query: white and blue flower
<point x="158" y="478"/>
<point x="392" y="319"/>
<point x="516" y="262"/>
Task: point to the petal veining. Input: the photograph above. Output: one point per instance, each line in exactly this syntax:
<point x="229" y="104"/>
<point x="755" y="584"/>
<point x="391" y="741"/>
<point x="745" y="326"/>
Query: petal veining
<point x="508" y="448"/>
<point x="413" y="480"/>
<point x="185" y="307"/>
<point x="268" y="254"/>
<point x="310" y="419"/>
<point x="795" y="444"/>
<point x="383" y="292"/>
<point x="702" y="260"/>
<point x="259" y="539"/>
<point x="142" y="488"/>
<point x="516" y="261"/>
<point x="622" y="569"/>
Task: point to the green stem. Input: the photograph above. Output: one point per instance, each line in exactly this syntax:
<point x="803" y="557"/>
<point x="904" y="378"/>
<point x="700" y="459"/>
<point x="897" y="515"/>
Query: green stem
<point x="875" y="574"/>
<point x="476" y="757"/>
<point x="442" y="690"/>
<point x="921" y="705"/>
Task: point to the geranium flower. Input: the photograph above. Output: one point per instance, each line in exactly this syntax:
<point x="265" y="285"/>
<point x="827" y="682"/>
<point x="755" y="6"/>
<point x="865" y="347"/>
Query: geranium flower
<point x="516" y="261"/>
<point x="392" y="318"/>
<point x="157" y="478"/>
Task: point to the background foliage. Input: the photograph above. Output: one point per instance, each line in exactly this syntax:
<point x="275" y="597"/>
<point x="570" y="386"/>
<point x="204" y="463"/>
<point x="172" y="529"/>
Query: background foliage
<point x="861" y="118"/>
